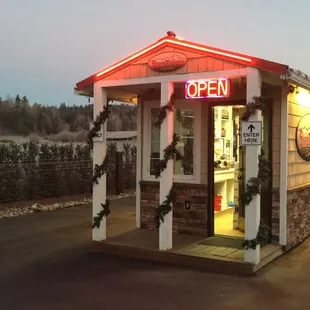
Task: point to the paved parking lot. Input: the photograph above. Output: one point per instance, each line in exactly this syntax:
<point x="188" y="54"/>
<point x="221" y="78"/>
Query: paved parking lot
<point x="45" y="264"/>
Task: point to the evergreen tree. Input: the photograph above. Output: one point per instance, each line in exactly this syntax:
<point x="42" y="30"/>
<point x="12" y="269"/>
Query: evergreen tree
<point x="20" y="117"/>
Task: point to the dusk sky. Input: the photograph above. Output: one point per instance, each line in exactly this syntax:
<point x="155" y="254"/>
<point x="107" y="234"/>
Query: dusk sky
<point x="49" y="45"/>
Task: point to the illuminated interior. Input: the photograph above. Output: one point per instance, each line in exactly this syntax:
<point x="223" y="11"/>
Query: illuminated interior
<point x="227" y="161"/>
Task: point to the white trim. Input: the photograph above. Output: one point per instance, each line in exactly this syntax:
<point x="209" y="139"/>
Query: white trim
<point x="252" y="211"/>
<point x="283" y="167"/>
<point x="147" y="105"/>
<point x="272" y="79"/>
<point x="195" y="105"/>
<point x="166" y="177"/>
<point x="297" y="79"/>
<point x="99" y="153"/>
<point x="175" y="78"/>
<point x="138" y="163"/>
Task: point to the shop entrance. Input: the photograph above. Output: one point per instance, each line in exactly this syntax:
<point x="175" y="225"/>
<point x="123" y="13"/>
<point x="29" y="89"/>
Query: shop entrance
<point x="226" y="181"/>
<point x="226" y="173"/>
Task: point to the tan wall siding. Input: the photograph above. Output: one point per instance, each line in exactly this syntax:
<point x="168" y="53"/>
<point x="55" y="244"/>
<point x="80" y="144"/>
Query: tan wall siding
<point x="196" y="63"/>
<point x="298" y="169"/>
<point x="276" y="143"/>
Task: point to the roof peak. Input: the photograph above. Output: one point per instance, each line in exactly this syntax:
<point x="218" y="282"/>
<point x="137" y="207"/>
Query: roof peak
<point x="173" y="40"/>
<point x="171" y="34"/>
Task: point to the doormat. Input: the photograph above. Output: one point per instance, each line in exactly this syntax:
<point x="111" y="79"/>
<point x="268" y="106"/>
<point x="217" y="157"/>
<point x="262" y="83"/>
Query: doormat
<point x="225" y="242"/>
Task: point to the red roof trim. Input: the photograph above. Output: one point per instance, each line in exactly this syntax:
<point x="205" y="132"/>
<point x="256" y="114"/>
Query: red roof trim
<point x="204" y="49"/>
<point x="117" y="66"/>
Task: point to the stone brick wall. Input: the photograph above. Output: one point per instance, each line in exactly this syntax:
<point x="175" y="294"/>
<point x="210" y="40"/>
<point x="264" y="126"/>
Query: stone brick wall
<point x="191" y="221"/>
<point x="149" y="193"/>
<point x="298" y="215"/>
<point x="194" y="220"/>
<point x="275" y="214"/>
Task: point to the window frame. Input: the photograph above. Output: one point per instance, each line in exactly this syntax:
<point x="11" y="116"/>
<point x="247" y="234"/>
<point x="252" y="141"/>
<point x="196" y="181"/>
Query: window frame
<point x="194" y="105"/>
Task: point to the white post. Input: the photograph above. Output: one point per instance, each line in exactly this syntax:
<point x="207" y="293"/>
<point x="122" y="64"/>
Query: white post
<point x="283" y="166"/>
<point x="166" y="178"/>
<point x="252" y="211"/>
<point x="99" y="153"/>
<point x="138" y="162"/>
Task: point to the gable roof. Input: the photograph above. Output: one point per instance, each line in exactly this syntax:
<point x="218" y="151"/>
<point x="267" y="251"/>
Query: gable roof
<point x="176" y="42"/>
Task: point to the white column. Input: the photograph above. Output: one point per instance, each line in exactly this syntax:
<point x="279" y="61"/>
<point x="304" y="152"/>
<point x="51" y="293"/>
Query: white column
<point x="138" y="162"/>
<point x="252" y="211"/>
<point x="283" y="166"/>
<point x="166" y="178"/>
<point x="99" y="153"/>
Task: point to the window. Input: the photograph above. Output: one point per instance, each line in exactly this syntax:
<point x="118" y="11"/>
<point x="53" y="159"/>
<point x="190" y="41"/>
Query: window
<point x="185" y="125"/>
<point x="155" y="141"/>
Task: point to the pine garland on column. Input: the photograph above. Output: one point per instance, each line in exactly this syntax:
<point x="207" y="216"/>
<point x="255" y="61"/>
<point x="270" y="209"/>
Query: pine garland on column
<point x="102" y="168"/>
<point x="170" y="153"/>
<point x="254" y="184"/>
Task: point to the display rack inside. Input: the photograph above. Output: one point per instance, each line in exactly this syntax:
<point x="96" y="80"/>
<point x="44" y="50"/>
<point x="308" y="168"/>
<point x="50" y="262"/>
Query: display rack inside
<point x="224" y="159"/>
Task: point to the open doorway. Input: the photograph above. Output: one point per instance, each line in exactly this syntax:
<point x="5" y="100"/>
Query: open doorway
<point x="226" y="180"/>
<point x="227" y="162"/>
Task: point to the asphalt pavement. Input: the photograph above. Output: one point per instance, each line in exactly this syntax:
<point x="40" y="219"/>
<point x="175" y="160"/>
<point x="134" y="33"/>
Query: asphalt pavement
<point x="45" y="263"/>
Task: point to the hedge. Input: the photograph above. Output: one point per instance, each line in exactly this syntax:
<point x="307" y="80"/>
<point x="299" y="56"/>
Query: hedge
<point x="31" y="170"/>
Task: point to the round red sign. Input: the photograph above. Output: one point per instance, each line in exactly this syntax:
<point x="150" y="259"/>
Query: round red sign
<point x="167" y="62"/>
<point x="303" y="137"/>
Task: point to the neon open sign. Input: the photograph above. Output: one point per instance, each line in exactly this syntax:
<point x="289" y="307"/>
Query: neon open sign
<point x="213" y="88"/>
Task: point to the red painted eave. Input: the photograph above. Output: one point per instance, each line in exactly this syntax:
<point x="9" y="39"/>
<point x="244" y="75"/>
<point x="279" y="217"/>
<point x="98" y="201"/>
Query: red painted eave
<point x="200" y="48"/>
<point x="118" y="65"/>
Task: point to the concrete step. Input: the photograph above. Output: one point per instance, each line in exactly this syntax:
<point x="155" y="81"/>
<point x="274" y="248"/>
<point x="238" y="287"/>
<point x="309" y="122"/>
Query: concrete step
<point x="272" y="252"/>
<point x="192" y="262"/>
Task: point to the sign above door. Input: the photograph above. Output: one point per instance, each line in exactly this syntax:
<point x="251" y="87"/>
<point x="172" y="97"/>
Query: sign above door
<point x="213" y="88"/>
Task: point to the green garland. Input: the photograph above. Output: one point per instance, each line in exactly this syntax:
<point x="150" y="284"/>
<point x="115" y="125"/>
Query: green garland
<point x="249" y="244"/>
<point x="101" y="169"/>
<point x="104" y="212"/>
<point x="252" y="107"/>
<point x="166" y="207"/>
<point x="100" y="120"/>
<point x="170" y="152"/>
<point x="253" y="186"/>
<point x="264" y="168"/>
<point x="257" y="104"/>
<point x="162" y="114"/>
<point x="261" y="237"/>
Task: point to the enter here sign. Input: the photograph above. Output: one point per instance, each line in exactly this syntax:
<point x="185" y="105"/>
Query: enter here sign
<point x="251" y="133"/>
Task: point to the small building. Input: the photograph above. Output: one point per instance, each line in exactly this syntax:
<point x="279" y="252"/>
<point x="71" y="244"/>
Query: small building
<point x="226" y="108"/>
<point x="119" y="138"/>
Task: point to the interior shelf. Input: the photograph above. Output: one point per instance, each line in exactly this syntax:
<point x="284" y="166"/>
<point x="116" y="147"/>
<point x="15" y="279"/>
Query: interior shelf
<point x="224" y="174"/>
